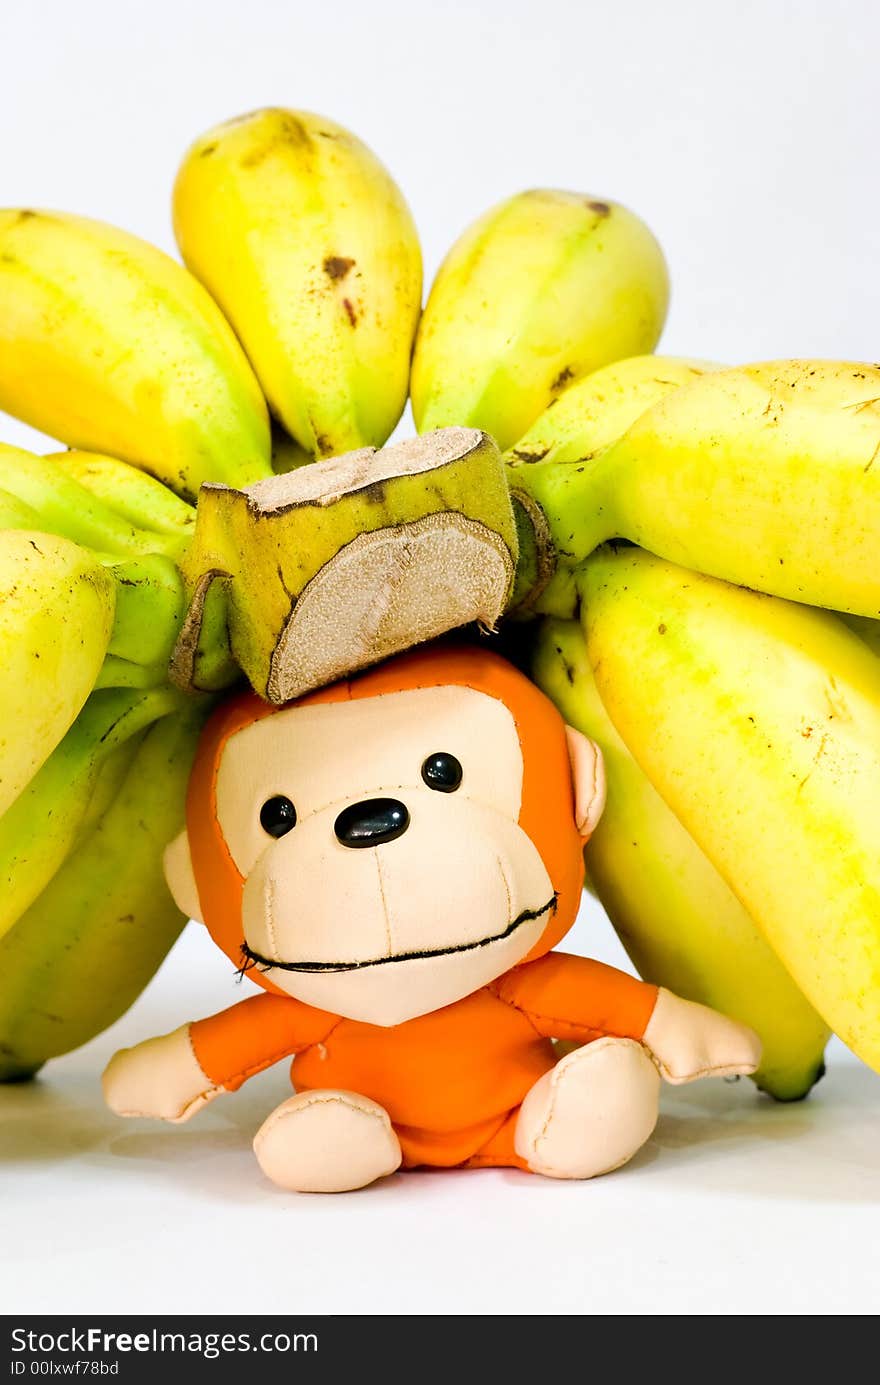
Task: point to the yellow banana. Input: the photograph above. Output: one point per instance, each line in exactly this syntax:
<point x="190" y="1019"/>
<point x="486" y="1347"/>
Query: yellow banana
<point x="767" y="476"/>
<point x="38" y="830"/>
<point x="109" y="345"/>
<point x="680" y="923"/>
<point x="544" y="288"/>
<point x="56" y="615"/>
<point x="867" y="630"/>
<point x="595" y="411"/>
<point x="587" y="416"/>
<point x="88" y="945"/>
<point x="305" y="241"/>
<point x="758" y="721"/>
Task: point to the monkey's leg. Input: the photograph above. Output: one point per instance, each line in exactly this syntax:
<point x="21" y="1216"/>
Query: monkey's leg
<point x="590" y="1113"/>
<point x="327" y="1142"/>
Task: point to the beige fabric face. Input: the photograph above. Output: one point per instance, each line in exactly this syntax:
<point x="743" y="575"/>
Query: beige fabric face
<point x="339" y="753"/>
<point x="452" y="884"/>
<point x="459" y="875"/>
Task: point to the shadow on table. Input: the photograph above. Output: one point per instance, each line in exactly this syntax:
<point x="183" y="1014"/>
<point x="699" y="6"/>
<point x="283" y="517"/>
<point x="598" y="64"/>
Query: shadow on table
<point x="711" y="1136"/>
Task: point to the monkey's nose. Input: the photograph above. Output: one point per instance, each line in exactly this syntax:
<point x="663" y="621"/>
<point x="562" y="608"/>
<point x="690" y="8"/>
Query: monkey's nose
<point x="372" y="822"/>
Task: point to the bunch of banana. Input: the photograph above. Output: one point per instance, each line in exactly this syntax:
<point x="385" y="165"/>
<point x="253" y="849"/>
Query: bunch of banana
<point x="228" y="506"/>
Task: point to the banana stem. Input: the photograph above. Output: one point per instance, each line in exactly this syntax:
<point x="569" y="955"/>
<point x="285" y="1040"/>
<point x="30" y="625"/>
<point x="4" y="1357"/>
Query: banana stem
<point x="334" y="566"/>
<point x="568" y="507"/>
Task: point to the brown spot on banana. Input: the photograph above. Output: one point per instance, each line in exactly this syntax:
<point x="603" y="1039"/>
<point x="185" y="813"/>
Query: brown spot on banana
<point x="337" y="266"/>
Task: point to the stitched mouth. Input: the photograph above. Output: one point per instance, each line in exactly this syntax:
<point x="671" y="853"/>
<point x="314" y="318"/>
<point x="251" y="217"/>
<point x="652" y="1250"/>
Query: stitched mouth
<point x="253" y="959"/>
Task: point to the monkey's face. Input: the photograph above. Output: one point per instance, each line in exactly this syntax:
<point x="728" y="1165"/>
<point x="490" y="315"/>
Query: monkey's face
<point x="385" y="870"/>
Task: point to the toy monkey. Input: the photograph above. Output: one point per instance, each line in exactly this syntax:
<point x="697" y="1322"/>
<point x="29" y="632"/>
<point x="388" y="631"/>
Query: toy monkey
<point x="394" y="858"/>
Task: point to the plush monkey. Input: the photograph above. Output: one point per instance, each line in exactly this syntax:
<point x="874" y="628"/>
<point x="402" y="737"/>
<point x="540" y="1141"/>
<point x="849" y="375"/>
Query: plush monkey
<point x="393" y="859"/>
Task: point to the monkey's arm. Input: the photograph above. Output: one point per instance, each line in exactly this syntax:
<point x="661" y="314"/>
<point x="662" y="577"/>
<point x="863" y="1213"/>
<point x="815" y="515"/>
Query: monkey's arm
<point x="174" y="1076"/>
<point x="578" y="999"/>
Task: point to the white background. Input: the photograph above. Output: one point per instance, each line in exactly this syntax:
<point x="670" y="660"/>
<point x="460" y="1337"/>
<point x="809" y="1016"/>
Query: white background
<point x="746" y="135"/>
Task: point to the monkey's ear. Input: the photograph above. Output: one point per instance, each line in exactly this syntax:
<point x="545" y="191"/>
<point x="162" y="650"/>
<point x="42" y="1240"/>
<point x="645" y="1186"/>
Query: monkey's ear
<point x="180" y="877"/>
<point x="588" y="776"/>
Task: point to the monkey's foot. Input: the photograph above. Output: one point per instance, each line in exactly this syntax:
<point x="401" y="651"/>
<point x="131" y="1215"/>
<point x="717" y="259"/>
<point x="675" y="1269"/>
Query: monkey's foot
<point x="327" y="1142"/>
<point x="590" y="1113"/>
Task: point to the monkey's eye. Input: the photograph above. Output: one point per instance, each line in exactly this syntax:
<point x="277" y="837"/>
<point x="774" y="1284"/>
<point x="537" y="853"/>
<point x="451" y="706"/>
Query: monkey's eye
<point x="277" y="815"/>
<point x="441" y="771"/>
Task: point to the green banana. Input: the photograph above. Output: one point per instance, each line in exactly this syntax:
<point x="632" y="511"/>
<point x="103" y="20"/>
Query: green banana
<point x="89" y="943"/>
<point x="141" y="532"/>
<point x="544" y="288"/>
<point x="133" y="495"/>
<point x="56" y="615"/>
<point x="66" y="507"/>
<point x="109" y="345"/>
<point x="767" y="476"/>
<point x="15" y="514"/>
<point x="307" y="244"/>
<point x="758" y="721"/>
<point x="680" y="923"/>
<point x="41" y="827"/>
<point x="150" y="605"/>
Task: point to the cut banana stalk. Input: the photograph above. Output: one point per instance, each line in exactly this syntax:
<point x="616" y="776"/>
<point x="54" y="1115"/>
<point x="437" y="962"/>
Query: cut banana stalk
<point x="335" y="566"/>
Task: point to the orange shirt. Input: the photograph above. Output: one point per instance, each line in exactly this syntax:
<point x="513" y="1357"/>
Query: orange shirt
<point x="456" y="1072"/>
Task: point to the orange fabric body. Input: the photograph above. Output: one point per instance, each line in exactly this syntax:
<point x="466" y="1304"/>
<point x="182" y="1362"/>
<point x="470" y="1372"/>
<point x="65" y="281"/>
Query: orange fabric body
<point x="451" y="1080"/>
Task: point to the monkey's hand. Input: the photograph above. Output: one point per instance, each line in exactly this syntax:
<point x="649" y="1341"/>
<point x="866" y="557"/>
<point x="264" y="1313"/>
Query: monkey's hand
<point x="160" y="1078"/>
<point x="688" y="1041"/>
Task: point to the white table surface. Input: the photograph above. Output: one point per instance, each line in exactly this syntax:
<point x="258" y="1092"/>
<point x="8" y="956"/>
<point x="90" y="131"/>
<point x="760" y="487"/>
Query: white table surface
<point x="736" y="1205"/>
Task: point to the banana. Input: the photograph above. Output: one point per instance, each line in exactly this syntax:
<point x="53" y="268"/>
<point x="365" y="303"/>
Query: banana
<point x="109" y="345"/>
<point x="587" y="416"/>
<point x="150" y="606"/>
<point x="595" y="411"/>
<point x="867" y="630"/>
<point x="140" y="499"/>
<point x="541" y="290"/>
<point x="88" y="945"/>
<point x="767" y="476"/>
<point x="758" y="721"/>
<point x="287" y="454"/>
<point x="681" y="925"/>
<point x="307" y="244"/>
<point x="39" y="830"/>
<point x="16" y="514"/>
<point x="66" y="507"/>
<point x="56" y="615"/>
